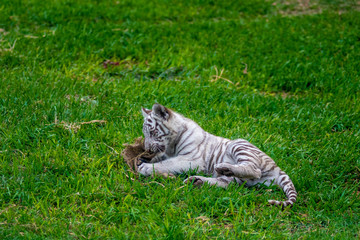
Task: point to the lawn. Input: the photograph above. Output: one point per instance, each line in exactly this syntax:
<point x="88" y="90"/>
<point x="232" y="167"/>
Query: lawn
<point x="284" y="75"/>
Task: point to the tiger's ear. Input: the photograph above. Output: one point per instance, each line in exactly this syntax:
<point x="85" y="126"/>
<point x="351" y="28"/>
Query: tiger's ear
<point x="145" y="112"/>
<point x="161" y="111"/>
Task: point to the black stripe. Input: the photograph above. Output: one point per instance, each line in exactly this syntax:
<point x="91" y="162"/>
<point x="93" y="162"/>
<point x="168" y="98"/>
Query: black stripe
<point x="184" y="154"/>
<point x="184" y="140"/>
<point x="286" y="183"/>
<point x="218" y="155"/>
<point x="202" y="141"/>
<point x="287" y="191"/>
<point x="241" y="148"/>
<point x="272" y="168"/>
<point x="185" y="147"/>
<point x="182" y="133"/>
<point x="246" y="154"/>
<point x="179" y="138"/>
<point x="210" y="165"/>
<point x="161" y="128"/>
<point x="282" y="178"/>
<point x="250" y="146"/>
<point x="268" y="162"/>
<point x="245" y="160"/>
<point x="197" y="151"/>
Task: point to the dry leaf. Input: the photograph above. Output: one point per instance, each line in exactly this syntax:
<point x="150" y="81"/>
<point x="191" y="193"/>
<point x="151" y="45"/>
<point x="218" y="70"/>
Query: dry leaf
<point x="108" y="62"/>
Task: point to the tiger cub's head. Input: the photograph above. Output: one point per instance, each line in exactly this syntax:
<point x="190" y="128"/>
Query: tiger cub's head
<point x="157" y="134"/>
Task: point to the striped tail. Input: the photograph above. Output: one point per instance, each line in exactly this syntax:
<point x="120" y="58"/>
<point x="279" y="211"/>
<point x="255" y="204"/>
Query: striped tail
<point x="287" y="186"/>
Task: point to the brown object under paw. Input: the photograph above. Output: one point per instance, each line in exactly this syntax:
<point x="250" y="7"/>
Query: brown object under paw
<point x="134" y="152"/>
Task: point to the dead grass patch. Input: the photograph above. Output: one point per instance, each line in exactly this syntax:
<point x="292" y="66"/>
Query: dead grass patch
<point x="307" y="7"/>
<point x="76" y="126"/>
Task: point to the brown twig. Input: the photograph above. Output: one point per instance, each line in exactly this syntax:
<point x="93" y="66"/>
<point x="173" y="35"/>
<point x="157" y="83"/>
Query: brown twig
<point x="180" y="187"/>
<point x="218" y="76"/>
<point x="15" y="150"/>
<point x="94" y="121"/>
<point x="156" y="183"/>
<point x="75" y="126"/>
<point x="111" y="149"/>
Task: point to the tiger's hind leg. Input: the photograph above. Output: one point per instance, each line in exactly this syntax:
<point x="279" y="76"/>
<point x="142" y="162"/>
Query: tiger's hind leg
<point x="241" y="171"/>
<point x="222" y="181"/>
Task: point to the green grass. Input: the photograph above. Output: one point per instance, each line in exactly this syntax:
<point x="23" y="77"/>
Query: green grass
<point x="298" y="101"/>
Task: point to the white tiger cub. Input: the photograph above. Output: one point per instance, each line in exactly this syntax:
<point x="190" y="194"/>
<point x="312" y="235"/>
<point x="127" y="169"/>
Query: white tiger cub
<point x="182" y="145"/>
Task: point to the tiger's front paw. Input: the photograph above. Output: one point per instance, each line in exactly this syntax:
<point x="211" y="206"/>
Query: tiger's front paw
<point x="146" y="169"/>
